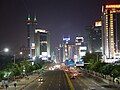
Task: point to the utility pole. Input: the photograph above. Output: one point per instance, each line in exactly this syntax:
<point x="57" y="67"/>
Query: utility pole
<point x="14" y="58"/>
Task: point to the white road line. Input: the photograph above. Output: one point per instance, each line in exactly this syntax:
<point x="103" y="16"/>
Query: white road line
<point x="39" y="85"/>
<point x="59" y="84"/>
<point x="96" y="83"/>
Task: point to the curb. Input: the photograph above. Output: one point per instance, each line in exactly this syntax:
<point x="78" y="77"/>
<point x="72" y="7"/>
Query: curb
<point x="69" y="82"/>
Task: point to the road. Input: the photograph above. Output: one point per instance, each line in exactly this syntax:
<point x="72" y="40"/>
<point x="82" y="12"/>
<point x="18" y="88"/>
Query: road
<point x="52" y="80"/>
<point x="56" y="80"/>
<point x="85" y="82"/>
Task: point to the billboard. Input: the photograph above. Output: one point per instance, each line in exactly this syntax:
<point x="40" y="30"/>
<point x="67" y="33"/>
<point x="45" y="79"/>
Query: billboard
<point x="70" y="63"/>
<point x="80" y="63"/>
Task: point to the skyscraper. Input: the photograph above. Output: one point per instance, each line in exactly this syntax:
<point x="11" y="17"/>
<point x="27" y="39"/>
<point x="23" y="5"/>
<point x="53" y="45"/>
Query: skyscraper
<point x="31" y="25"/>
<point x="111" y="31"/>
<point x="94" y="37"/>
<point x="80" y="48"/>
<point x="42" y="44"/>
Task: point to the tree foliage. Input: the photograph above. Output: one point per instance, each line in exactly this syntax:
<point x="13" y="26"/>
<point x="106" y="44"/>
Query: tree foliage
<point x="96" y="65"/>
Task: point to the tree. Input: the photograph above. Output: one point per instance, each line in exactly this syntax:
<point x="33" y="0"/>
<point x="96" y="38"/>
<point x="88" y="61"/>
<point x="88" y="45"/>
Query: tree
<point x="27" y="66"/>
<point x="114" y="74"/>
<point x="90" y="56"/>
<point x="106" y="69"/>
<point x="97" y="66"/>
<point x="16" y="70"/>
<point x="1" y="75"/>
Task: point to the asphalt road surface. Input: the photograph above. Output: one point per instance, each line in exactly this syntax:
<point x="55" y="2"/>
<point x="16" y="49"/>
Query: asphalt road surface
<point x="84" y="82"/>
<point x="56" y="80"/>
<point x="52" y="80"/>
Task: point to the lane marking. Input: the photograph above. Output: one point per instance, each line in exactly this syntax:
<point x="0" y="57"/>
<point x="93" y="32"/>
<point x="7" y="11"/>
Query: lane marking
<point x="69" y="82"/>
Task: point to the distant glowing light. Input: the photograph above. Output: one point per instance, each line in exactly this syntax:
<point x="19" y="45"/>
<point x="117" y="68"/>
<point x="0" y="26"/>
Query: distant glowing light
<point x="33" y="57"/>
<point x="28" y="18"/>
<point x="6" y="50"/>
<point x="80" y="38"/>
<point x="90" y="51"/>
<point x="49" y="56"/>
<point x="98" y="23"/>
<point x="66" y="39"/>
<point x="21" y="53"/>
<point x="113" y="6"/>
<point x="33" y="46"/>
<point x="40" y="30"/>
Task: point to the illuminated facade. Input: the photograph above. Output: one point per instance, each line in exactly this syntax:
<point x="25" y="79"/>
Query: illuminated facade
<point x="94" y="34"/>
<point x="111" y="31"/>
<point x="65" y="48"/>
<point x="80" y="48"/>
<point x="31" y="25"/>
<point x="42" y="44"/>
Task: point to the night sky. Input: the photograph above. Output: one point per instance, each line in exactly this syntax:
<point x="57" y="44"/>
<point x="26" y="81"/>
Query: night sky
<point x="60" y="17"/>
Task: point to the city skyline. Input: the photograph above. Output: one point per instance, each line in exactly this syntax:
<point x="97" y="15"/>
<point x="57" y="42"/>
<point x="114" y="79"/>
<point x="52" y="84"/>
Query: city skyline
<point x="60" y="17"/>
<point x="60" y="44"/>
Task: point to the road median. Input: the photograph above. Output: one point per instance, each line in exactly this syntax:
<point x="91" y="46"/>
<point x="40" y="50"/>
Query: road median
<point x="69" y="81"/>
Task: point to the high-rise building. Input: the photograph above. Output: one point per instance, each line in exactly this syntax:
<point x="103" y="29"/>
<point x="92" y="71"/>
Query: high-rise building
<point x="80" y="48"/>
<point x="65" y="48"/>
<point x="94" y="37"/>
<point x="42" y="44"/>
<point x="111" y="31"/>
<point x="31" y="25"/>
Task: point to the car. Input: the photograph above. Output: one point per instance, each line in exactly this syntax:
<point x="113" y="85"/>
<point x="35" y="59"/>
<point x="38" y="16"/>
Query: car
<point x="40" y="79"/>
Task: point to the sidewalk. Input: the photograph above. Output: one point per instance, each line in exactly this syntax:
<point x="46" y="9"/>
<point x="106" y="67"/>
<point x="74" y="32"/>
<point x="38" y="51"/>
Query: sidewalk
<point x="22" y="83"/>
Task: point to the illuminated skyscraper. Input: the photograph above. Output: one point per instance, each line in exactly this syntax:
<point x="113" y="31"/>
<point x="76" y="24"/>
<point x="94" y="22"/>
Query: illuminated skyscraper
<point x="80" y="48"/>
<point x="31" y="25"/>
<point x="42" y="44"/>
<point x="111" y="31"/>
<point x="65" y="48"/>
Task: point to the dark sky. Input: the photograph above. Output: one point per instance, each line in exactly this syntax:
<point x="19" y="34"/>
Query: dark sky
<point x="60" y="17"/>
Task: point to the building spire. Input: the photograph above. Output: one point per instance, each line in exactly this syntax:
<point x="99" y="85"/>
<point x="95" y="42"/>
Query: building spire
<point x="28" y="20"/>
<point x="35" y="19"/>
<point x="28" y="17"/>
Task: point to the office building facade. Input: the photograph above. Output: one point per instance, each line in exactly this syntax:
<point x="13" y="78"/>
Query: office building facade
<point x="94" y="37"/>
<point x="111" y="31"/>
<point x="42" y="44"/>
<point x="31" y="26"/>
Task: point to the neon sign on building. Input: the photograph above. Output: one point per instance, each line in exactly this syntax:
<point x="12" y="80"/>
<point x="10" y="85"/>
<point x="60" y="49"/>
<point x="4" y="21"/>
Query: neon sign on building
<point x="113" y="6"/>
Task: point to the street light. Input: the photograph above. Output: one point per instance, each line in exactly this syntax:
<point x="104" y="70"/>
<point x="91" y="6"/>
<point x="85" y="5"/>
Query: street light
<point x="21" y="53"/>
<point x="14" y="56"/>
<point x="5" y="50"/>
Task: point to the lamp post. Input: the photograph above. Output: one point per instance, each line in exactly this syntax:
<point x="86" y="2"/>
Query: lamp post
<point x="14" y="58"/>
